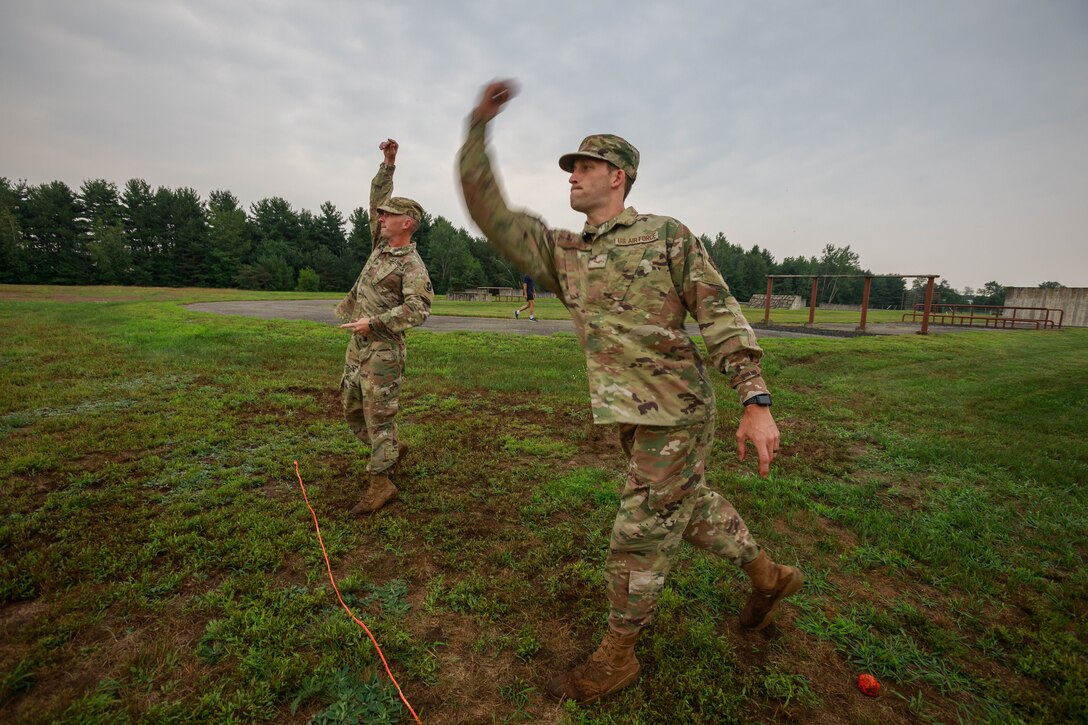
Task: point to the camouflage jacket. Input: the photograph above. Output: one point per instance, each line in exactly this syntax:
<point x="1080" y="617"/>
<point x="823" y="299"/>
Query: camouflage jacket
<point x="628" y="284"/>
<point x="393" y="289"/>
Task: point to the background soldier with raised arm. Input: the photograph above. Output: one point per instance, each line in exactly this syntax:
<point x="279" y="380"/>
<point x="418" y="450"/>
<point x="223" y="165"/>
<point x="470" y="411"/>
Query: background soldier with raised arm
<point x="393" y="293"/>
<point x="629" y="280"/>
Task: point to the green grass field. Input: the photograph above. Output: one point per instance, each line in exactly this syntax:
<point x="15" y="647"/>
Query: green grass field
<point x="159" y="564"/>
<point x="553" y="309"/>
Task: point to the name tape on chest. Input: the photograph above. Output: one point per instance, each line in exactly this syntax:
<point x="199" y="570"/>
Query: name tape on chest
<point x="642" y="239"/>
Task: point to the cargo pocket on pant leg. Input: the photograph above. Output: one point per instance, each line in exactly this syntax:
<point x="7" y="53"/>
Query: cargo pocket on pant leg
<point x="643" y="590"/>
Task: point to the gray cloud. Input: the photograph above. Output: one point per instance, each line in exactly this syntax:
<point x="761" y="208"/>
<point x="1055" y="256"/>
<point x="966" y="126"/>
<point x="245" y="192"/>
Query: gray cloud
<point x="930" y="136"/>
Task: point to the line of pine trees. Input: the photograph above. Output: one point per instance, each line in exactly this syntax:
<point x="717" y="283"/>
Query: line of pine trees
<point x="136" y="235"/>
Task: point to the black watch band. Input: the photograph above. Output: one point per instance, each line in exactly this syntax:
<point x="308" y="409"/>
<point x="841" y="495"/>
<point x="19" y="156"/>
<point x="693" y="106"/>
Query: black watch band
<point x="763" y="399"/>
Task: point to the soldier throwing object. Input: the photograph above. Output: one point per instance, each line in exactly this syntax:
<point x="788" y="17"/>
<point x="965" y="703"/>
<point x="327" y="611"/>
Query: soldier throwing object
<point x="393" y="293"/>
<point x="628" y="280"/>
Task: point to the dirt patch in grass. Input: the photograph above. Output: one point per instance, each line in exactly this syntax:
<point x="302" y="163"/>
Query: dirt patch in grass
<point x="810" y="448"/>
<point x="469" y="687"/>
<point x="109" y="648"/>
<point x="15" y="618"/>
<point x="901" y="490"/>
<point x="292" y="571"/>
<point x="835" y="680"/>
<point x="808" y="531"/>
<point x="34" y="488"/>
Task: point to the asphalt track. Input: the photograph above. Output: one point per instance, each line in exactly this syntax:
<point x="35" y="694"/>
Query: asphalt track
<point x="321" y="310"/>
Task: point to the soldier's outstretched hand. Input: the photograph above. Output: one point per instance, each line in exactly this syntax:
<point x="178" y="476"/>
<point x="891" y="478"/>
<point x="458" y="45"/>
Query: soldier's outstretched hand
<point x="360" y="326"/>
<point x="389" y="148"/>
<point x="494" y="97"/>
<point x="757" y="425"/>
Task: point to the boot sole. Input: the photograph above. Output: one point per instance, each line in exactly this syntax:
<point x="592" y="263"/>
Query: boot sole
<point x="791" y="588"/>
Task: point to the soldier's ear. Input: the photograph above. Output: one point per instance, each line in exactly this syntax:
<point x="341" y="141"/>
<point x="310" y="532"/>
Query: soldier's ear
<point x="619" y="179"/>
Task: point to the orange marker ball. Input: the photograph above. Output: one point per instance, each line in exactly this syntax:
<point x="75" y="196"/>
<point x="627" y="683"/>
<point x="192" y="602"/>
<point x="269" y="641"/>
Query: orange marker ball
<point x="868" y="685"/>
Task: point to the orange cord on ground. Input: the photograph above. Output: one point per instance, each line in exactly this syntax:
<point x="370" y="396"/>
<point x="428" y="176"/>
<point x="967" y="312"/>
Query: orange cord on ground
<point x="328" y="566"/>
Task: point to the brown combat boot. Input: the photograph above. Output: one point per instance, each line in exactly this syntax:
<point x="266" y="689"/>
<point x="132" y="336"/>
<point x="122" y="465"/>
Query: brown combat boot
<point x="771" y="583"/>
<point x="381" y="489"/>
<point x="611" y="668"/>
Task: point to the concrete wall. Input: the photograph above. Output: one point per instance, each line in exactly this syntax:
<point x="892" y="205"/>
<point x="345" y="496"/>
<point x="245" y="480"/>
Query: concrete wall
<point x="778" y="302"/>
<point x="1074" y="300"/>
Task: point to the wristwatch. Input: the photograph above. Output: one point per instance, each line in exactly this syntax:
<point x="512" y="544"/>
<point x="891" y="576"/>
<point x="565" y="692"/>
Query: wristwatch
<point x="763" y="400"/>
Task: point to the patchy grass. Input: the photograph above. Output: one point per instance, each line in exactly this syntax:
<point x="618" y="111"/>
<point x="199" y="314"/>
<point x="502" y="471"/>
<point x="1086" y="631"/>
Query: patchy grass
<point x="157" y="562"/>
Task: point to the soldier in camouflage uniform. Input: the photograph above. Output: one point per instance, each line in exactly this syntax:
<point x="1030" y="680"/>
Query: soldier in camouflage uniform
<point x="629" y="280"/>
<point x="393" y="293"/>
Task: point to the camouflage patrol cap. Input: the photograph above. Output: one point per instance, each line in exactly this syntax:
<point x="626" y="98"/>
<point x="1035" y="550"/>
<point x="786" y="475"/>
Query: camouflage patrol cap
<point x="606" y="147"/>
<point x="402" y="205"/>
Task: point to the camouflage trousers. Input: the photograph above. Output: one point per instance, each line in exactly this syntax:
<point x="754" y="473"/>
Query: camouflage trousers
<point x="665" y="501"/>
<point x="369" y="391"/>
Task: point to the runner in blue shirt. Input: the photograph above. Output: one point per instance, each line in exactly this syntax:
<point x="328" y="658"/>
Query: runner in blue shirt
<point x="528" y="291"/>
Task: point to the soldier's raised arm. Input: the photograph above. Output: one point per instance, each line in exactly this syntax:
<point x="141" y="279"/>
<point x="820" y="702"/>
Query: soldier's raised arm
<point x="381" y="188"/>
<point x="518" y="236"/>
<point x="389" y="148"/>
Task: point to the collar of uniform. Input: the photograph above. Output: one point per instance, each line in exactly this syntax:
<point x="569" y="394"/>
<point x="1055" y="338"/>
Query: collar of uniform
<point x="626" y="218"/>
<point x="400" y="251"/>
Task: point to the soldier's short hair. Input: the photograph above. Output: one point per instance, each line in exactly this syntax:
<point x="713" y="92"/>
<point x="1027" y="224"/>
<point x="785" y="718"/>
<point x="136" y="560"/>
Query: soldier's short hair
<point x="628" y="182"/>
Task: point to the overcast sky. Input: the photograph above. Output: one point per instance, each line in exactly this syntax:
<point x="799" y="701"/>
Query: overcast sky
<point x="944" y="137"/>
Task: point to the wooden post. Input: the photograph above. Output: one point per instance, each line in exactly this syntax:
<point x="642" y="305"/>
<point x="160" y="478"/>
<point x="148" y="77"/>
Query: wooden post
<point x="812" y="303"/>
<point x="865" y="303"/>
<point x="767" y="302"/>
<point x="926" y="311"/>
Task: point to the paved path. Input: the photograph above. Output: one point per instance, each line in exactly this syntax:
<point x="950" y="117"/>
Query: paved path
<point x="321" y="311"/>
